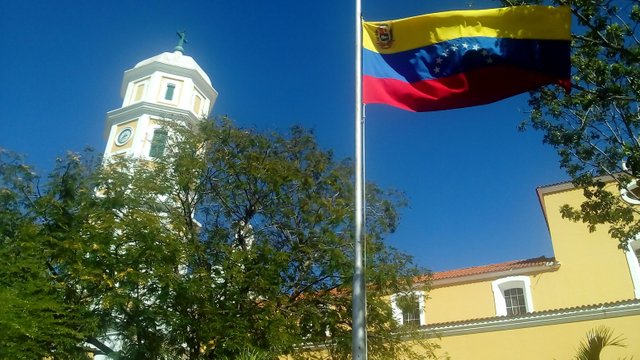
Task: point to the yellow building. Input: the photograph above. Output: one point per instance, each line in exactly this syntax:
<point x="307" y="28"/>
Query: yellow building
<point x="538" y="308"/>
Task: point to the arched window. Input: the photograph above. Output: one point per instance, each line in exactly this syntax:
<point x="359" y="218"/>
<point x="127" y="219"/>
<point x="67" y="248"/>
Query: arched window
<point x="631" y="193"/>
<point x="633" y="260"/>
<point x="514" y="301"/>
<point x="512" y="295"/>
<point x="408" y="308"/>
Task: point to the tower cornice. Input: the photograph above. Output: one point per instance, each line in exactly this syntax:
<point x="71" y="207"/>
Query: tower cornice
<point x="145" y="108"/>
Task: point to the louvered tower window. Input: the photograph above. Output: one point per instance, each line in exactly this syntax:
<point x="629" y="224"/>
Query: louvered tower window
<point x="158" y="143"/>
<point x="168" y="95"/>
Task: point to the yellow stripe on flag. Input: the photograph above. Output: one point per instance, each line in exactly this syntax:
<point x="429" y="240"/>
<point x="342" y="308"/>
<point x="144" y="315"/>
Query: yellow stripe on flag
<point x="518" y="22"/>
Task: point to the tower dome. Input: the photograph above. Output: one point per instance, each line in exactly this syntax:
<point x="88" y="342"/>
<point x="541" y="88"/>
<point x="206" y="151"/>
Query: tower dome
<point x="177" y="59"/>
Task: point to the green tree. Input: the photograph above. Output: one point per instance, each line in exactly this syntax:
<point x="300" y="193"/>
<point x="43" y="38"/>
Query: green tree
<point x="232" y="243"/>
<point x="595" y="128"/>
<point x="597" y="339"/>
<point x="38" y="318"/>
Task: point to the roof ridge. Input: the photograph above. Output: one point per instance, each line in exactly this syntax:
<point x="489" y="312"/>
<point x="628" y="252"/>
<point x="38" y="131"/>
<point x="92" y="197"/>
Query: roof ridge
<point x="488" y="268"/>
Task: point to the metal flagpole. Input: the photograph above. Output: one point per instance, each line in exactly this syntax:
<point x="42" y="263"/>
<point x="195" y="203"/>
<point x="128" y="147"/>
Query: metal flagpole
<point x="359" y="333"/>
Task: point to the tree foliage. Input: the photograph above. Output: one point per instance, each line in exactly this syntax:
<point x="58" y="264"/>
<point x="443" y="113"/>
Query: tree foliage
<point x="597" y="340"/>
<point x="38" y="317"/>
<point x="595" y="128"/>
<point x="235" y="243"/>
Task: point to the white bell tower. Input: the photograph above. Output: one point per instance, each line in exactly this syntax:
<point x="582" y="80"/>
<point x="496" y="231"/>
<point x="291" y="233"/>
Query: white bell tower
<point x="165" y="87"/>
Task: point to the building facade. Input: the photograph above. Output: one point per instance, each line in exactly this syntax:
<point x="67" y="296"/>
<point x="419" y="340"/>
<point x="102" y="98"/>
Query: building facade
<point x="539" y="308"/>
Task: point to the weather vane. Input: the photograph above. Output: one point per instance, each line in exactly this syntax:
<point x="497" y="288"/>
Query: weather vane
<point x="183" y="40"/>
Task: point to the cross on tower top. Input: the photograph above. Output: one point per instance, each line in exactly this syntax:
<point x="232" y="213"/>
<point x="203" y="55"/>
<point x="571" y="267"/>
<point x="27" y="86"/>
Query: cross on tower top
<point x="183" y="40"/>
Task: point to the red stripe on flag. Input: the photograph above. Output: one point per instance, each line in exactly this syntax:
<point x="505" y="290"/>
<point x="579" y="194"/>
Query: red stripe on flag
<point x="477" y="87"/>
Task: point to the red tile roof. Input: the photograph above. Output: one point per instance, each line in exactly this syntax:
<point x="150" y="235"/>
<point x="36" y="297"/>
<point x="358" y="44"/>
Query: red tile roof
<point x="485" y="269"/>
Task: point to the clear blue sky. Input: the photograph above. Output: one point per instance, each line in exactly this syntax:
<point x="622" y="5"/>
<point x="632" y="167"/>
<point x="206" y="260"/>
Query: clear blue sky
<point x="469" y="174"/>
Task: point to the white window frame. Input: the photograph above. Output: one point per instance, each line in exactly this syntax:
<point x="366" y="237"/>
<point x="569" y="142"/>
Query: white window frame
<point x="397" y="312"/>
<point x="500" y="285"/>
<point x="634" y="265"/>
<point x="145" y="83"/>
<point x="177" y="90"/>
<point x="627" y="194"/>
<point x="199" y="111"/>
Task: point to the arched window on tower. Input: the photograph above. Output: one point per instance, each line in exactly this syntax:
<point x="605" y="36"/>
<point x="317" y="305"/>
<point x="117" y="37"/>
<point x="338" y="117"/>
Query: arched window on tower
<point x="158" y="143"/>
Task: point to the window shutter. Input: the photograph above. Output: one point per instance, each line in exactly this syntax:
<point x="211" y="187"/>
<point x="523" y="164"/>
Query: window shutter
<point x="158" y="143"/>
<point x="168" y="95"/>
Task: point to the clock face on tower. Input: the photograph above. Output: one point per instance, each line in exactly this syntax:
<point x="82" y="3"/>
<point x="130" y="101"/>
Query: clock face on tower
<point x="123" y="136"/>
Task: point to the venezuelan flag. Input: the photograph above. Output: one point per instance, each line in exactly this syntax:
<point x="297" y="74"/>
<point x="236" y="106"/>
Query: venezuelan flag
<point x="457" y="59"/>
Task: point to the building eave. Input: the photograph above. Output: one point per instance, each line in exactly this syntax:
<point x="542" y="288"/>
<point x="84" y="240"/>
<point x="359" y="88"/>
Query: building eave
<point x="552" y="266"/>
<point x="542" y="318"/>
<point x="490" y="272"/>
<point x="145" y="108"/>
<point x="499" y="323"/>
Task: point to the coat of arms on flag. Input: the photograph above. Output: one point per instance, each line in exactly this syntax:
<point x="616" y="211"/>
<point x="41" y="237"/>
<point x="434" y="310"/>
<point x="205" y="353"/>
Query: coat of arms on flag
<point x="384" y="36"/>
